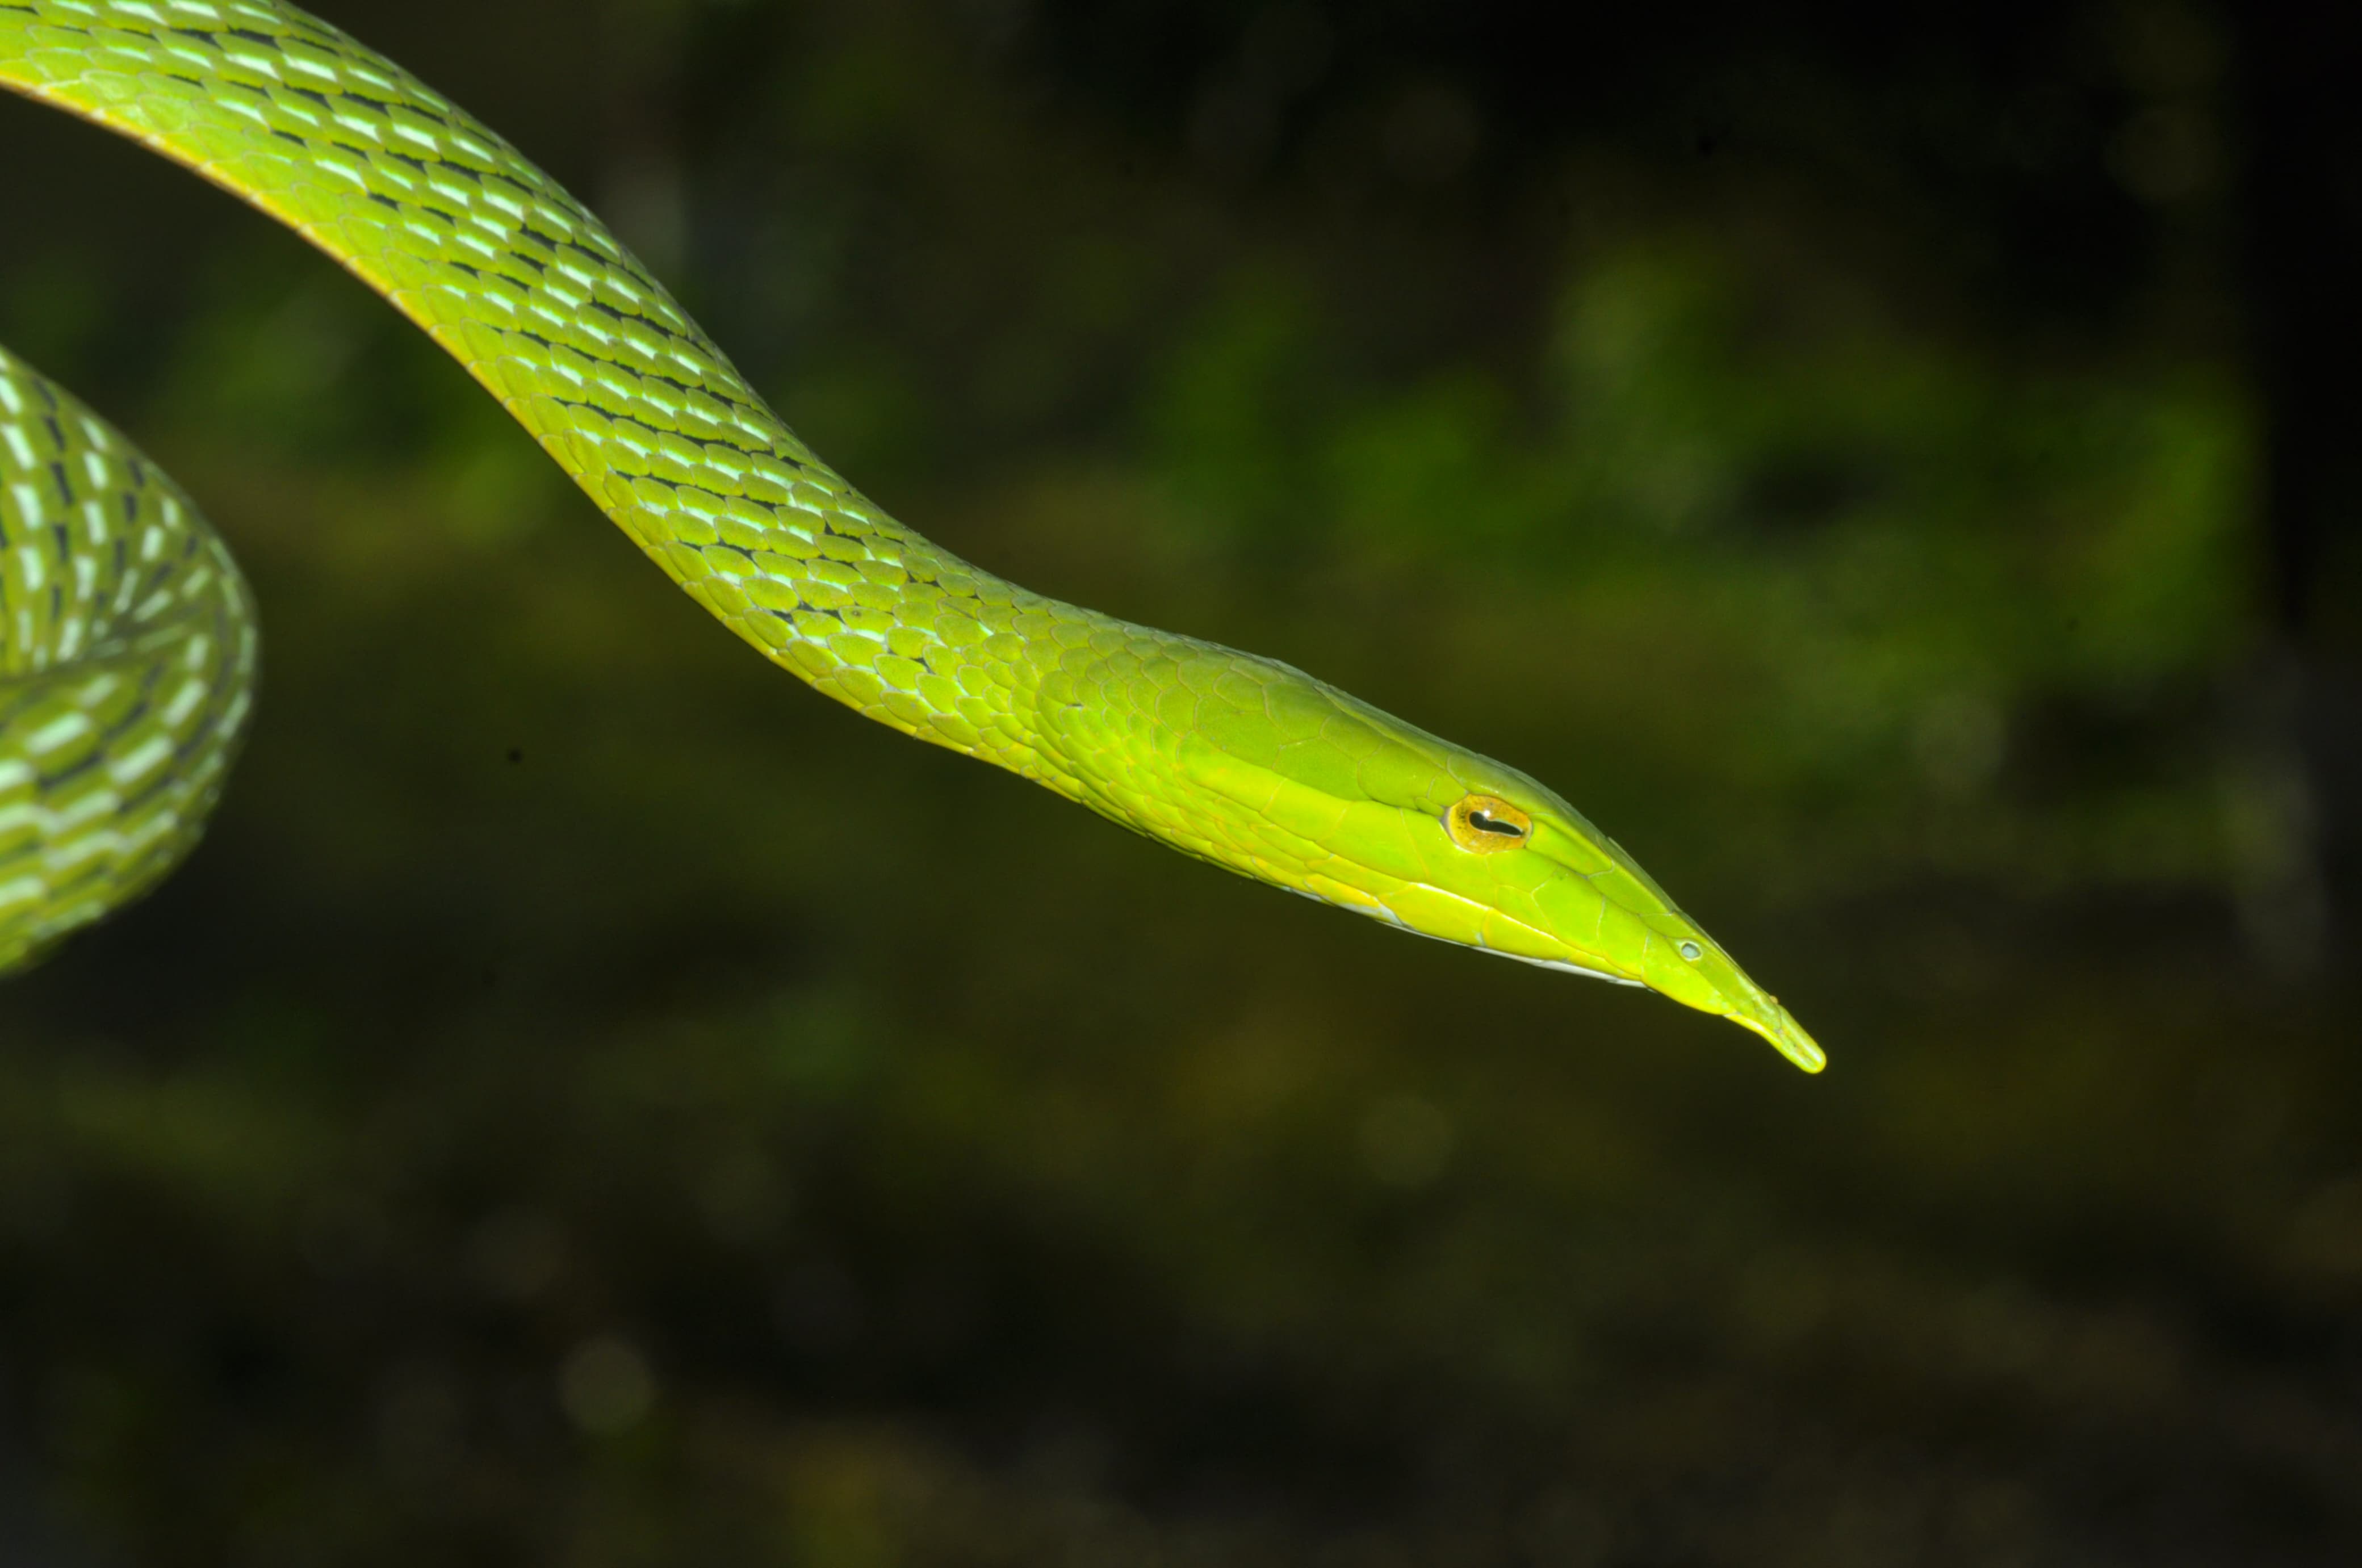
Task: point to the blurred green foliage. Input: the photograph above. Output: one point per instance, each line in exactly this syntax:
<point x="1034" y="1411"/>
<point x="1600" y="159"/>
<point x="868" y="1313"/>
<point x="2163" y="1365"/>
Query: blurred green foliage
<point x="593" y="1103"/>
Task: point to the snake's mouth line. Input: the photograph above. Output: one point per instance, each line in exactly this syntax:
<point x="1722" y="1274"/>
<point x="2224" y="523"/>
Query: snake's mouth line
<point x="1379" y="910"/>
<point x="1563" y="968"/>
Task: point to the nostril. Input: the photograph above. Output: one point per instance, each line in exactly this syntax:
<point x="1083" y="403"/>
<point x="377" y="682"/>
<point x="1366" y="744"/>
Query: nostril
<point x="1693" y="952"/>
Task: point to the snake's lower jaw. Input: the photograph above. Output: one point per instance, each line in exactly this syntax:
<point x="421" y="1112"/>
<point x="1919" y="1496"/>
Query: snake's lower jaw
<point x="1729" y="995"/>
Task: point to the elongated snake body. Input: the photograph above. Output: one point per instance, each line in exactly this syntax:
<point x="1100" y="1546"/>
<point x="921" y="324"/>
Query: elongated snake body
<point x="127" y="648"/>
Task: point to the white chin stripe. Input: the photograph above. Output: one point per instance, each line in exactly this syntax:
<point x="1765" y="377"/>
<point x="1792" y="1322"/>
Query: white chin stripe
<point x="1563" y="965"/>
<point x="1394" y="921"/>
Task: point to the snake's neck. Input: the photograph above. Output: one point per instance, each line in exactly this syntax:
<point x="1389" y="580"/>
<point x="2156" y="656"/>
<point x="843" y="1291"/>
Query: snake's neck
<point x="532" y="295"/>
<point x="894" y="626"/>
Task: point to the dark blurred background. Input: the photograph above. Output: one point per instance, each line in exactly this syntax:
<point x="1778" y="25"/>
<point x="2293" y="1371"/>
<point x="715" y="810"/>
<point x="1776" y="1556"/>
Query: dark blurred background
<point x="591" y="1102"/>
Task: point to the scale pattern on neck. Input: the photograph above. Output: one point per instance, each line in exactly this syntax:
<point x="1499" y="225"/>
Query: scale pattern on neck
<point x="544" y="308"/>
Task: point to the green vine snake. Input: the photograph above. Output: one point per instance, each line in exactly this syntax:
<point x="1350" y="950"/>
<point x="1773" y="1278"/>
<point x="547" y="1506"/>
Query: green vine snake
<point x="127" y="648"/>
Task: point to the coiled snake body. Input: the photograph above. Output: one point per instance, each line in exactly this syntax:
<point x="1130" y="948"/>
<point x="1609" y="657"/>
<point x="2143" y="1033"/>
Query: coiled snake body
<point x="128" y="650"/>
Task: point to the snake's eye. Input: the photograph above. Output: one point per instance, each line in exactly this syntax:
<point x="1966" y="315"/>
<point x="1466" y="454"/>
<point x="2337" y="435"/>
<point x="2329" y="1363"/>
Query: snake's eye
<point x="1484" y="823"/>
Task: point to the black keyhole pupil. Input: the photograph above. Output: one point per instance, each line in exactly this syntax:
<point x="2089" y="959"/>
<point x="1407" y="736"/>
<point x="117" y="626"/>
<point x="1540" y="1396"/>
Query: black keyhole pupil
<point x="1486" y="821"/>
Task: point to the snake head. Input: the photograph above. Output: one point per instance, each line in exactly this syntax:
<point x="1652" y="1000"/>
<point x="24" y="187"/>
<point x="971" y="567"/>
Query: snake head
<point x="1534" y="879"/>
<point x="1260" y="768"/>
